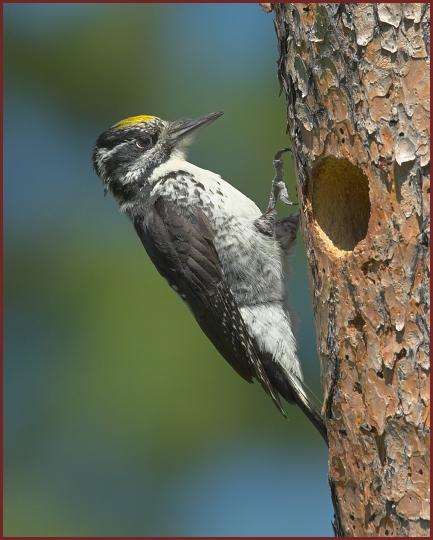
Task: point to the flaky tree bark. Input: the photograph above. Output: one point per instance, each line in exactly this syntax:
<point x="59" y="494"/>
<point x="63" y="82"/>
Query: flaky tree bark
<point x="356" y="79"/>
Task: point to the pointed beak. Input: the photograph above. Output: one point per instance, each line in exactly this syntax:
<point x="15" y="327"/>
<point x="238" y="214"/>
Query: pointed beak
<point x="180" y="129"/>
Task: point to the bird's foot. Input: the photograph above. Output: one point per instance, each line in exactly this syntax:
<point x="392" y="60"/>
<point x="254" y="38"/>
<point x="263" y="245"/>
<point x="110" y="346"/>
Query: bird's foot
<point x="279" y="188"/>
<point x="266" y="223"/>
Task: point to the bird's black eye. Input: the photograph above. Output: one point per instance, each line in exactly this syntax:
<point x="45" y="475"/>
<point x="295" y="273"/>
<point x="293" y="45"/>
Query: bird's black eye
<point x="143" y="143"/>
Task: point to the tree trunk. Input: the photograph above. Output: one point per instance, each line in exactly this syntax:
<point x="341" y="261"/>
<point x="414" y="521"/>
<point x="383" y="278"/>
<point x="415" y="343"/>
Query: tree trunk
<point x="356" y="79"/>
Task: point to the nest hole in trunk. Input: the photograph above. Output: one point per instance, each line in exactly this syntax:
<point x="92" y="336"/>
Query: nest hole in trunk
<point x="339" y="196"/>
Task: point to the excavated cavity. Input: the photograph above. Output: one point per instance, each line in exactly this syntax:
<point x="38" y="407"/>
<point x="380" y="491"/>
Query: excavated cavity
<point x="339" y="196"/>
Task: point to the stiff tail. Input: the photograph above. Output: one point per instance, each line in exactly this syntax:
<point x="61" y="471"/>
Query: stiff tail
<point x="305" y="399"/>
<point x="295" y="391"/>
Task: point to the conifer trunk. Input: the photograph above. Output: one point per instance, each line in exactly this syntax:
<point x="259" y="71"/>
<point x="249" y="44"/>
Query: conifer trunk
<point x="356" y="79"/>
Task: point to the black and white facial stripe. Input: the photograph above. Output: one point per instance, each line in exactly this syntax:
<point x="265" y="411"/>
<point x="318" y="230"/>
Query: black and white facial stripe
<point x="124" y="156"/>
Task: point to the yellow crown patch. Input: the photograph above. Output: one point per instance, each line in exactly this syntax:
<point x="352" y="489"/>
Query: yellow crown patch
<point x="133" y="120"/>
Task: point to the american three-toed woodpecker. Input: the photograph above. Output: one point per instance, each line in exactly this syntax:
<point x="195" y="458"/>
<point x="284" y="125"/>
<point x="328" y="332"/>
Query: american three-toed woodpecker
<point x="216" y="249"/>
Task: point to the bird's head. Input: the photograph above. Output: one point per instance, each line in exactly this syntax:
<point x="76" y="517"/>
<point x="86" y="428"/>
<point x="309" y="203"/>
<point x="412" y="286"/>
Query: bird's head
<point x="129" y="151"/>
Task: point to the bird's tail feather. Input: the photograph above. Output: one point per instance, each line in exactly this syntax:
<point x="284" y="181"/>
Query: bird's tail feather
<point x="295" y="391"/>
<point x="306" y="400"/>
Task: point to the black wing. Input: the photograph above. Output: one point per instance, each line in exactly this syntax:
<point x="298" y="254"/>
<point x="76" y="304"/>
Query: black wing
<point x="180" y="244"/>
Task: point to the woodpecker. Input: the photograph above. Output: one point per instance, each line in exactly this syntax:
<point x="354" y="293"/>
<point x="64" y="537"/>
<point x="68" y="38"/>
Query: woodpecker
<point x="222" y="255"/>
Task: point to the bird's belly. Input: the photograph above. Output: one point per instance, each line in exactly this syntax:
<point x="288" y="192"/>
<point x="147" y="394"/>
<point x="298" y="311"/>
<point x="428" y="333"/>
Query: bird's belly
<point x="251" y="262"/>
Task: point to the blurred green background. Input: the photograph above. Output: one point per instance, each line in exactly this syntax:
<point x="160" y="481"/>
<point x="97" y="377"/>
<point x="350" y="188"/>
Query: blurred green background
<point x="120" y="417"/>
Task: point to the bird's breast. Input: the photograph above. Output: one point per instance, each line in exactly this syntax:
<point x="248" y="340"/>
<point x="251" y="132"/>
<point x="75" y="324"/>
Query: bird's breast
<point x="251" y="260"/>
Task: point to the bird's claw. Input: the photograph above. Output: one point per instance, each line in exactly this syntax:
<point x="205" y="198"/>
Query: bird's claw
<point x="283" y="195"/>
<point x="278" y="154"/>
<point x="279" y="188"/>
